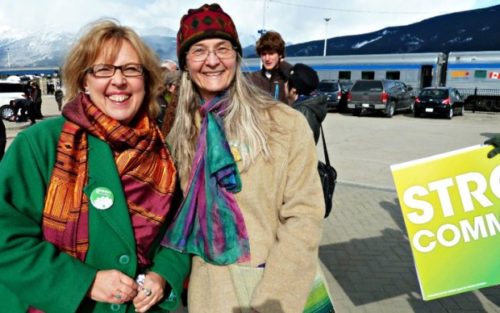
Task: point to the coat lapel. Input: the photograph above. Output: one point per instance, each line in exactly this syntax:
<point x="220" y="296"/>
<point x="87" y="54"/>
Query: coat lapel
<point x="102" y="172"/>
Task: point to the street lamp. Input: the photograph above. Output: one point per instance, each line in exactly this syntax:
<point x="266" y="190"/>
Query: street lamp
<point x="327" y="19"/>
<point x="8" y="58"/>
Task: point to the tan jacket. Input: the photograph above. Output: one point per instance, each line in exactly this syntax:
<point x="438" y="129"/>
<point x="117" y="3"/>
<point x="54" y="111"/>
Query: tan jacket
<point x="283" y="207"/>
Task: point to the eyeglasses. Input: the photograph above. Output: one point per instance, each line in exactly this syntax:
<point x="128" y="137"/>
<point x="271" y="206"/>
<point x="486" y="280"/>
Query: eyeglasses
<point x="199" y="54"/>
<point x="108" y="70"/>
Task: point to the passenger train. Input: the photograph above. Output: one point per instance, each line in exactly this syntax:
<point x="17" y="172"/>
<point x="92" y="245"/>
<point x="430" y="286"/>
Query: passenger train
<point x="475" y="74"/>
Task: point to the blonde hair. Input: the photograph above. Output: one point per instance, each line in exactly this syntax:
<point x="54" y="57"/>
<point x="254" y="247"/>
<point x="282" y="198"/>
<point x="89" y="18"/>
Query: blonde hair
<point x="109" y="35"/>
<point x="247" y="120"/>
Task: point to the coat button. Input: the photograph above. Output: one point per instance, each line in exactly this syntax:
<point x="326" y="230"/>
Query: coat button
<point x="115" y="307"/>
<point x="124" y="259"/>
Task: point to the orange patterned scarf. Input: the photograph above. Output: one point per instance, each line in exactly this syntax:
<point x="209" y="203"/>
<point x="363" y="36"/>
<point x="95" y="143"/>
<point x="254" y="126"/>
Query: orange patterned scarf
<point x="144" y="165"/>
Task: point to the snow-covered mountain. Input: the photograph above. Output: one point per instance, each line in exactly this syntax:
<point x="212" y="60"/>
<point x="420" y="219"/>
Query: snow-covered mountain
<point x="19" y="48"/>
<point x="473" y="30"/>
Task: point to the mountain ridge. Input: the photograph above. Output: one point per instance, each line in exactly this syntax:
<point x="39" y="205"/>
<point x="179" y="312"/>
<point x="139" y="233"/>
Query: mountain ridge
<point x="473" y="30"/>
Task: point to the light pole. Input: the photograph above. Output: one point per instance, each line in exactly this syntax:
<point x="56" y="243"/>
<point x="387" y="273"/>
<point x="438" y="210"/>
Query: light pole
<point x="263" y="18"/>
<point x="327" y="19"/>
<point x="8" y="58"/>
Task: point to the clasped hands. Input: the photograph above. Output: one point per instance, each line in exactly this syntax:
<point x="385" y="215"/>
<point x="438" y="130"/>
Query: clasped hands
<point x="113" y="286"/>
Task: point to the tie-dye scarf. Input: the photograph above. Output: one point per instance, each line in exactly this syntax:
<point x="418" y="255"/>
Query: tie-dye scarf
<point x="209" y="223"/>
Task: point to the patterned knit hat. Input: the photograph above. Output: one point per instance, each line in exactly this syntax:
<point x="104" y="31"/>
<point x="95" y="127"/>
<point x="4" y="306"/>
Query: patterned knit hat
<point x="208" y="21"/>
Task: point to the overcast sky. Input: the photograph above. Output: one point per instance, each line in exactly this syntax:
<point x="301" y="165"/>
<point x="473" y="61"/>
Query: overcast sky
<point x="297" y="20"/>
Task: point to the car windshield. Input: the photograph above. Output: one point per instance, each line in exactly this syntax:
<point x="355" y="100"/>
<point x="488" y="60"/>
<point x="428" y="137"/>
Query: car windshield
<point x="368" y="85"/>
<point x="346" y="85"/>
<point x="436" y="93"/>
<point x="326" y="86"/>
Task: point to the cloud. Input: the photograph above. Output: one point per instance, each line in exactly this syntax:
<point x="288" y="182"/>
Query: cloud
<point x="297" y="20"/>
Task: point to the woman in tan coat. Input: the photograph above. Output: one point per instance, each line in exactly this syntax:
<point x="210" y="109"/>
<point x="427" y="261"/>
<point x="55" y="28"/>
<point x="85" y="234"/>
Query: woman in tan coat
<point x="253" y="205"/>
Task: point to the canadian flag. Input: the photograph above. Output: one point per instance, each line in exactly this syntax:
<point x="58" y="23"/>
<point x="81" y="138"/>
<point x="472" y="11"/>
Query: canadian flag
<point x="494" y="75"/>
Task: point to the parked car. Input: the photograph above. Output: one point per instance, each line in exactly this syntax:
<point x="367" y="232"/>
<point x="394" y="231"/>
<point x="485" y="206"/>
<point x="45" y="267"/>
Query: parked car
<point x="336" y="92"/>
<point x="9" y="91"/>
<point x="383" y="95"/>
<point x="443" y="101"/>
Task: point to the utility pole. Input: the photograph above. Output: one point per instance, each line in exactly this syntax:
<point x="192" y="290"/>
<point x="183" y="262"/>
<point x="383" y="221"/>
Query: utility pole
<point x="264" y="17"/>
<point x="262" y="31"/>
<point x="327" y="19"/>
<point x="8" y="58"/>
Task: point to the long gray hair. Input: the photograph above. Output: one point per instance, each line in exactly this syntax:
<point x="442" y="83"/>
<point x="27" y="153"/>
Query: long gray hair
<point x="247" y="121"/>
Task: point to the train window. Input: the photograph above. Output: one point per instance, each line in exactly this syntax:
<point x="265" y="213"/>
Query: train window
<point x="392" y="75"/>
<point x="344" y="75"/>
<point x="368" y="75"/>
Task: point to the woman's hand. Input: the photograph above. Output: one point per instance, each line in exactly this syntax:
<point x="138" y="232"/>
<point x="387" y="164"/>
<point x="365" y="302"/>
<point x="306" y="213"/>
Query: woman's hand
<point x="112" y="286"/>
<point x="150" y="293"/>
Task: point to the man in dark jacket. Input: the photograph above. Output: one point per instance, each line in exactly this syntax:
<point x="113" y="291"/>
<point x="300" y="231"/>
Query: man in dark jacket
<point x="59" y="96"/>
<point x="302" y="84"/>
<point x="271" y="78"/>
<point x="23" y="109"/>
<point x="36" y="97"/>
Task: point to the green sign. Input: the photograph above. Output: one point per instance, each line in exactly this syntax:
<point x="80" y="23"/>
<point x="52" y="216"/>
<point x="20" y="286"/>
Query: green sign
<point x="451" y="208"/>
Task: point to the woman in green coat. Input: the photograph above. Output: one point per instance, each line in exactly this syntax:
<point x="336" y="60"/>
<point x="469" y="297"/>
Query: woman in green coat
<point x="86" y="197"/>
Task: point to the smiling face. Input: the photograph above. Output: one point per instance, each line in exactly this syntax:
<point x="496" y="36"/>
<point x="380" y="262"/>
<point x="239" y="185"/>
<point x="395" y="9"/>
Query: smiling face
<point x="213" y="74"/>
<point x="118" y="97"/>
<point x="270" y="59"/>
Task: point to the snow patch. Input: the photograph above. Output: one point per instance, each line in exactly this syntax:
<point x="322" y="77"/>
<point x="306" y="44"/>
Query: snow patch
<point x="364" y="43"/>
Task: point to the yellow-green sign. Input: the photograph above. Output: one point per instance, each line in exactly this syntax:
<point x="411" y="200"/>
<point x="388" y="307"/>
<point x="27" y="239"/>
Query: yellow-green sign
<point x="451" y="207"/>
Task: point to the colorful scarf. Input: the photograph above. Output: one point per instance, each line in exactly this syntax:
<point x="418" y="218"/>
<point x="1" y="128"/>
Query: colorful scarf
<point x="144" y="165"/>
<point x="209" y="223"/>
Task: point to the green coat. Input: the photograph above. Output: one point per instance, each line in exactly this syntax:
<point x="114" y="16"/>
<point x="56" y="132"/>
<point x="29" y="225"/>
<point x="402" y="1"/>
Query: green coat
<point x="33" y="271"/>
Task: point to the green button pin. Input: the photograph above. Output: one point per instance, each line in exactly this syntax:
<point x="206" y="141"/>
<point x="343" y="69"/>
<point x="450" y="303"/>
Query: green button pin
<point x="102" y="198"/>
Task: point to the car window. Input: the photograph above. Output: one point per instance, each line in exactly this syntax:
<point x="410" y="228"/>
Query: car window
<point x="327" y="86"/>
<point x="367" y="85"/>
<point x="393" y="87"/>
<point x="436" y="93"/>
<point x="11" y="87"/>
<point x="345" y="85"/>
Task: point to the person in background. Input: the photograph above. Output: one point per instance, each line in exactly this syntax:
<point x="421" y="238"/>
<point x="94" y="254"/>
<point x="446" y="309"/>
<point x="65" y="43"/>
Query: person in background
<point x="248" y="168"/>
<point x="170" y="82"/>
<point x="36" y="98"/>
<point x="3" y="138"/>
<point x="59" y="96"/>
<point x="301" y="86"/>
<point x="272" y="76"/>
<point x="23" y="110"/>
<point x="82" y="218"/>
<point x="495" y="142"/>
<point x="169" y="66"/>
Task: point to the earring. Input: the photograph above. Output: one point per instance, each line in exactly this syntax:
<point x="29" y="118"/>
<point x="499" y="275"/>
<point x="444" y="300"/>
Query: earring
<point x="87" y="92"/>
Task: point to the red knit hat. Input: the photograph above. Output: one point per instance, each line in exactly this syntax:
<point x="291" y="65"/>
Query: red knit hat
<point x="208" y="21"/>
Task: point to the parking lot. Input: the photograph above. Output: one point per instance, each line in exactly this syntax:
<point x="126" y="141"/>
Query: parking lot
<point x="365" y="250"/>
<point x="363" y="148"/>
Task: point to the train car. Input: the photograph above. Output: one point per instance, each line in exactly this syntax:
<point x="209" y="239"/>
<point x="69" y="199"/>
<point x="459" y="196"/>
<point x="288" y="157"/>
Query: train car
<point x="477" y="77"/>
<point x="418" y="70"/>
<point x="475" y="74"/>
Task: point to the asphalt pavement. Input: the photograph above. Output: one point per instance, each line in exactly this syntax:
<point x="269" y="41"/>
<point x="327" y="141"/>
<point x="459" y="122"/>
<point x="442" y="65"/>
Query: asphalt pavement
<point x="364" y="250"/>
